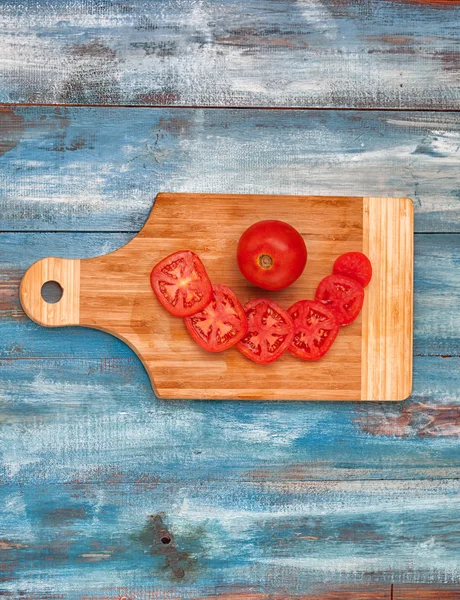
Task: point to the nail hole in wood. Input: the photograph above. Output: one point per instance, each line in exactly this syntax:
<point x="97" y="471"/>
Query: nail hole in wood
<point x="51" y="292"/>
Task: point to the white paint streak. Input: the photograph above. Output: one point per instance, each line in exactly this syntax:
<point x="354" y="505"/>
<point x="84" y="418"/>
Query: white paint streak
<point x="365" y="564"/>
<point x="316" y="15"/>
<point x="318" y="503"/>
<point x="221" y="53"/>
<point x="14" y="522"/>
<point x="77" y="438"/>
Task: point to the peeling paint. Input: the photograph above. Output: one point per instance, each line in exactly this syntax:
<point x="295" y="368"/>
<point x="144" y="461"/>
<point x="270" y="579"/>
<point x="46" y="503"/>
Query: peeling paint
<point x="11" y="129"/>
<point x="434" y="3"/>
<point x="94" y="78"/>
<point x="450" y="59"/>
<point x="259" y="39"/>
<point x="9" y="545"/>
<point x="161" y="542"/>
<point x="412" y="419"/>
<point x="162" y="98"/>
<point x="304" y="53"/>
<point x="111" y="168"/>
<point x="10" y="306"/>
<point x="62" y="516"/>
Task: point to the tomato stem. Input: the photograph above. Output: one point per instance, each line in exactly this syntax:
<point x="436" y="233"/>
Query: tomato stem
<point x="265" y="261"/>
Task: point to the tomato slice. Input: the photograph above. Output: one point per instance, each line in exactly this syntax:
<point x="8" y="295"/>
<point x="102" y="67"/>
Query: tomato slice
<point x="221" y="324"/>
<point x="341" y="295"/>
<point x="315" y="329"/>
<point x="354" y="265"/>
<point x="270" y="331"/>
<point x="181" y="283"/>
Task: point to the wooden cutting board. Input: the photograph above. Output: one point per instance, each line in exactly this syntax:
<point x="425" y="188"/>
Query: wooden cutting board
<point x="371" y="359"/>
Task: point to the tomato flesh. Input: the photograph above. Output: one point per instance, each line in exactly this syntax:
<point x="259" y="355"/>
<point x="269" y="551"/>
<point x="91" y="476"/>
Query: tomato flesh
<point x="271" y="254"/>
<point x="354" y="265"/>
<point x="270" y="331"/>
<point x="342" y="296"/>
<point x="315" y="329"/>
<point x="221" y="324"/>
<point x="181" y="283"/>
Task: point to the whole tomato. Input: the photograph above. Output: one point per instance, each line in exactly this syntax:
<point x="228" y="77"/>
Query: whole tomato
<point x="271" y="254"/>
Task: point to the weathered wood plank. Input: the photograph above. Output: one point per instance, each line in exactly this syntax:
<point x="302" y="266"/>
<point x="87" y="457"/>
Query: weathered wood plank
<point x="320" y="53"/>
<point x="316" y="592"/>
<point x="277" y="538"/>
<point x="222" y="592"/>
<point x="437" y="293"/>
<point x="425" y="592"/>
<point x="219" y="592"/>
<point x="98" y="421"/>
<point x="100" y="169"/>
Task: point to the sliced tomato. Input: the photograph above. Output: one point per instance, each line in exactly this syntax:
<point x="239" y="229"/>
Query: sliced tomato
<point x="221" y="324"/>
<point x="342" y="296"/>
<point x="354" y="265"/>
<point x="315" y="329"/>
<point x="270" y="331"/>
<point x="181" y="283"/>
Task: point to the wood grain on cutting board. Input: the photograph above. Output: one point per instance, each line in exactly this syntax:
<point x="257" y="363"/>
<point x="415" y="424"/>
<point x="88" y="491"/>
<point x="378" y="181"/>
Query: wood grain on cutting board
<point x="371" y="358"/>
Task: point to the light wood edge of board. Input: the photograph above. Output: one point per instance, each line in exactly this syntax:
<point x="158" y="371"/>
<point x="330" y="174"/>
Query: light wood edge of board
<point x="387" y="333"/>
<point x="66" y="273"/>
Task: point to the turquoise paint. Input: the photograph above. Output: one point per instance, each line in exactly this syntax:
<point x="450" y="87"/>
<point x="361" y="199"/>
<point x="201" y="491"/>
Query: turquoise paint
<point x="278" y="498"/>
<point x="271" y="497"/>
<point x="99" y="170"/>
<point x="278" y="539"/>
<point x="98" y="421"/>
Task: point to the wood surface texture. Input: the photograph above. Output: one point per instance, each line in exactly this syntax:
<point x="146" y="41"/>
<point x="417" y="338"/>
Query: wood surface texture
<point x="113" y="293"/>
<point x="87" y="169"/>
<point x="387" y="316"/>
<point x="261" y="501"/>
<point x="64" y="272"/>
<point x="427" y="592"/>
<point x="305" y="53"/>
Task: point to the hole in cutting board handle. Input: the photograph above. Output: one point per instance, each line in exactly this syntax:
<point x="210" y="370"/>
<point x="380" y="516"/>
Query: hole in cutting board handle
<point x="51" y="292"/>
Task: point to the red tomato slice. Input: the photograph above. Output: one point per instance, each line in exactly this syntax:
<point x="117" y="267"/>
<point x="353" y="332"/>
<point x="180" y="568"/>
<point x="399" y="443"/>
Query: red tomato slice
<point x="181" y="283"/>
<point x="354" y="265"/>
<point x="221" y="324"/>
<point x="270" y="331"/>
<point x="315" y="329"/>
<point x="341" y="295"/>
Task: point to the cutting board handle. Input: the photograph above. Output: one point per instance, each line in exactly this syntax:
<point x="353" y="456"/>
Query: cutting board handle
<point x="66" y="273"/>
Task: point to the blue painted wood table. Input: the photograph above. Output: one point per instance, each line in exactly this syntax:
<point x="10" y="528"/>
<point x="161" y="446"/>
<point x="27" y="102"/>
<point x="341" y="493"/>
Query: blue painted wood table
<point x="109" y="492"/>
